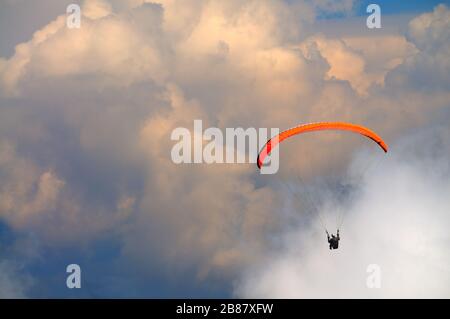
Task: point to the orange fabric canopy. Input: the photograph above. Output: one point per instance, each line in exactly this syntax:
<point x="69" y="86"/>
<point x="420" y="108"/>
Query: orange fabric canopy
<point x="311" y="127"/>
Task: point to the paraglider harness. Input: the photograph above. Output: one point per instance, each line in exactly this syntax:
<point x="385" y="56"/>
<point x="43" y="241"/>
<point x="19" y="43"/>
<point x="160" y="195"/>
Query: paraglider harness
<point x="333" y="240"/>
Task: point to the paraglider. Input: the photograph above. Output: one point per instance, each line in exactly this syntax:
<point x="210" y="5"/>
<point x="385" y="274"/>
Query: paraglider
<point x="320" y="126"/>
<point x="333" y="240"/>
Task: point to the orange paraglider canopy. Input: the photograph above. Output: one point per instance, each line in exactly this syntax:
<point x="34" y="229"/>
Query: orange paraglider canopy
<point x="321" y="126"/>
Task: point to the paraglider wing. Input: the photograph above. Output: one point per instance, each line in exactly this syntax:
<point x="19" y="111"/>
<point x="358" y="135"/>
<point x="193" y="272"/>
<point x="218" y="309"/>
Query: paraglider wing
<point x="311" y="127"/>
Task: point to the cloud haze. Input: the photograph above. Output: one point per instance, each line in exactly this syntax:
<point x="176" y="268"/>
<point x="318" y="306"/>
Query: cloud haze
<point x="398" y="220"/>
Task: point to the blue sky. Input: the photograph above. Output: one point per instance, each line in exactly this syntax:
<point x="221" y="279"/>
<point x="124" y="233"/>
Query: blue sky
<point x="401" y="7"/>
<point x="390" y="7"/>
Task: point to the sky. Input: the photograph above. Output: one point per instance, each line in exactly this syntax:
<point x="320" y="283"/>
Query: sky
<point x="86" y="177"/>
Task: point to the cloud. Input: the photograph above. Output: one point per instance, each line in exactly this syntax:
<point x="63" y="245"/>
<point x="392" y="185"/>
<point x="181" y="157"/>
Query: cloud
<point x="96" y="9"/>
<point x="19" y="199"/>
<point x="399" y="221"/>
<point x="86" y="117"/>
<point x="198" y="227"/>
<point x="429" y="68"/>
<point x="107" y="45"/>
<point x="345" y="64"/>
<point x="13" y="284"/>
<point x="36" y="198"/>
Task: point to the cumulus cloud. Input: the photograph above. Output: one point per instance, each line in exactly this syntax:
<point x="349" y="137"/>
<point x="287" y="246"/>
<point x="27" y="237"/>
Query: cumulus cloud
<point x="96" y="9"/>
<point x="429" y="68"/>
<point x="213" y="231"/>
<point x="36" y="198"/>
<point x="96" y="107"/>
<point x="25" y="191"/>
<point x="358" y="60"/>
<point x="116" y="50"/>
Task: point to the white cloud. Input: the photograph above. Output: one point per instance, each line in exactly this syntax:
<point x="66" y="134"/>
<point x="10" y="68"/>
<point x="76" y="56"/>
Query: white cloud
<point x="112" y="49"/>
<point x="429" y="68"/>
